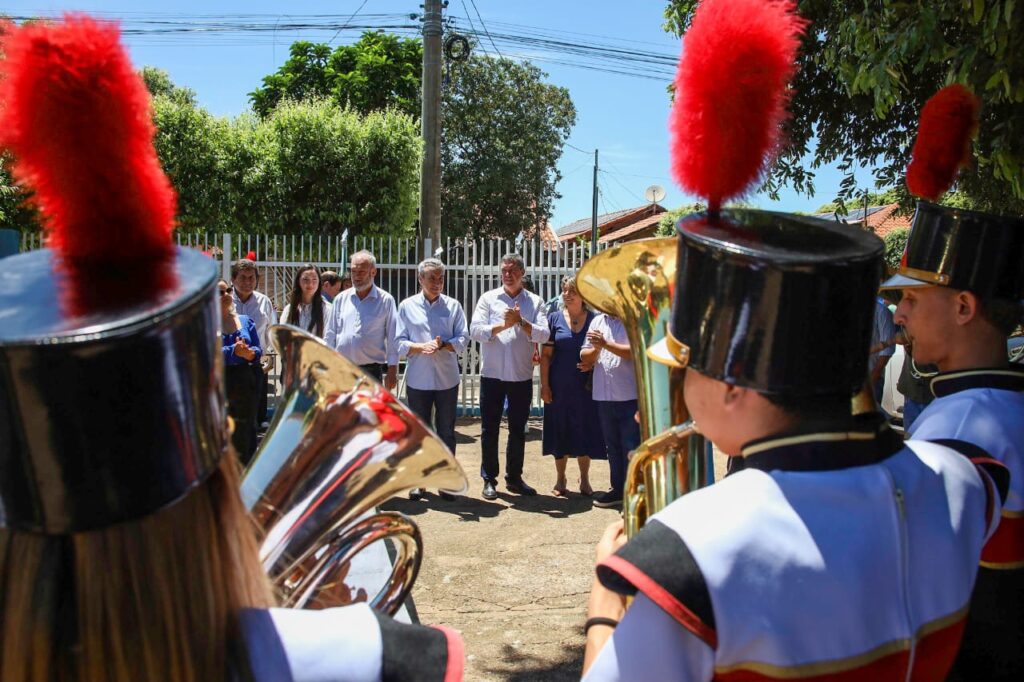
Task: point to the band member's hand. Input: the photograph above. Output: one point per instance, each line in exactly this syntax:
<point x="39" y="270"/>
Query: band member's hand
<point x="545" y="395"/>
<point x="596" y="339"/>
<point x="613" y="538"/>
<point x="391" y="378"/>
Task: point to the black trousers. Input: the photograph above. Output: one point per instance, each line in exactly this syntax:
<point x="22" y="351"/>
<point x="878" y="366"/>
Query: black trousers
<point x="493" y="393"/>
<point x="240" y="386"/>
<point x="375" y="370"/>
<point x="437" y="409"/>
<point x="993" y="645"/>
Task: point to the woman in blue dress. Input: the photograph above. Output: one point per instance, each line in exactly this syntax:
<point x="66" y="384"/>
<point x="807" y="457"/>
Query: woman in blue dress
<point x="571" y="427"/>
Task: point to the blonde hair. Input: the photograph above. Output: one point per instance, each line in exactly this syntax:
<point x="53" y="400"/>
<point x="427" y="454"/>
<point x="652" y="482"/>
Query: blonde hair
<point x="152" y="599"/>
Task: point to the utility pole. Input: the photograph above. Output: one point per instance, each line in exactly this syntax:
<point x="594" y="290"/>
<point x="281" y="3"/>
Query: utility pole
<point x="593" y="217"/>
<point x="430" y="120"/>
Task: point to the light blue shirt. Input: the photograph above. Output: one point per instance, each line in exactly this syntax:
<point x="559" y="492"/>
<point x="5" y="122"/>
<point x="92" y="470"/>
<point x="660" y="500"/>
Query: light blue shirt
<point x="508" y="355"/>
<point x="614" y="377"/>
<point x="883" y="330"/>
<point x="420" y="321"/>
<point x="262" y="312"/>
<point x="363" y="329"/>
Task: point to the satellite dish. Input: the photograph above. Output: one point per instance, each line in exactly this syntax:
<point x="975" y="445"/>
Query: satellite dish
<point x="654" y="193"/>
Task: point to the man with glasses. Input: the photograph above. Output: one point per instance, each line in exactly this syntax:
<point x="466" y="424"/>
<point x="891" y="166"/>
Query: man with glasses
<point x="432" y="333"/>
<point x="507" y="322"/>
<point x="362" y="323"/>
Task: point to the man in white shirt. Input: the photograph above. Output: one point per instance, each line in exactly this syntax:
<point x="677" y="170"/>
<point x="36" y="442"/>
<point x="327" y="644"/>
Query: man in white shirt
<point x="362" y="323"/>
<point x="507" y="322"/>
<point x="245" y="277"/>
<point x="607" y="349"/>
<point x="432" y="333"/>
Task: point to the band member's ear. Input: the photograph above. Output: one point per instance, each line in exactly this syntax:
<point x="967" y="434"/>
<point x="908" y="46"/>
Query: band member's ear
<point x="967" y="307"/>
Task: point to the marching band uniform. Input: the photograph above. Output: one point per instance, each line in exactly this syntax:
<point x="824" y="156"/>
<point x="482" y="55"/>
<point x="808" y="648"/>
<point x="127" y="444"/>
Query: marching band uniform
<point x="984" y="407"/>
<point x="111" y="382"/>
<point x="843" y="554"/>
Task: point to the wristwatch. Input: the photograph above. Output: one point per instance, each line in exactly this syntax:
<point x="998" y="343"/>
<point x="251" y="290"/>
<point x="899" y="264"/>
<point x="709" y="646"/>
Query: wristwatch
<point x="522" y="323"/>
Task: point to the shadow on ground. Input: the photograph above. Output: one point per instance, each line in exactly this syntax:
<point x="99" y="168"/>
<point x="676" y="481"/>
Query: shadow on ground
<point x="466" y="508"/>
<point x="519" y="667"/>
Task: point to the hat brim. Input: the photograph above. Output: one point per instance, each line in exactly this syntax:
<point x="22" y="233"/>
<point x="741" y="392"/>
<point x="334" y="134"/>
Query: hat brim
<point x="899" y="281"/>
<point x="661" y="354"/>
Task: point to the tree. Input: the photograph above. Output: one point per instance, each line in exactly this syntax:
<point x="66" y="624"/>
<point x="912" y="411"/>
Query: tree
<point x="308" y="167"/>
<point x="502" y="135"/>
<point x="159" y="83"/>
<point x="895" y="243"/>
<point x="503" y="127"/>
<point x="377" y="72"/>
<point x="667" y="223"/>
<point x="866" y="70"/>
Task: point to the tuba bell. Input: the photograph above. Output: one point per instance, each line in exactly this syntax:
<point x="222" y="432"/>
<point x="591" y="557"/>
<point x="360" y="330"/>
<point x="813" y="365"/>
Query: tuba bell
<point x="635" y="282"/>
<point x="340" y="444"/>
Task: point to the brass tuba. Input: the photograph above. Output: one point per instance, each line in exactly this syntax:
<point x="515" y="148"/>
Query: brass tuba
<point x="635" y="282"/>
<point x="340" y="444"/>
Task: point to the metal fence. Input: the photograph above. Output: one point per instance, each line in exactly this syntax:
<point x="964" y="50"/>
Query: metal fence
<point x="473" y="267"/>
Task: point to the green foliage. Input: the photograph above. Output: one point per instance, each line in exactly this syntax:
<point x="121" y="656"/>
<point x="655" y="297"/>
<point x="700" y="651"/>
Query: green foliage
<point x="892" y="195"/>
<point x="866" y="70"/>
<point x="667" y="223"/>
<point x="377" y="72"/>
<point x="158" y="82"/>
<point x="309" y="167"/>
<point x="503" y="133"/>
<point x="895" y="243"/>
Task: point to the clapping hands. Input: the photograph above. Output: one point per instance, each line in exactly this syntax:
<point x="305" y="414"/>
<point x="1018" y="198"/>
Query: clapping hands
<point x="513" y="316"/>
<point x="432" y="346"/>
<point x="243" y="351"/>
<point x="596" y="339"/>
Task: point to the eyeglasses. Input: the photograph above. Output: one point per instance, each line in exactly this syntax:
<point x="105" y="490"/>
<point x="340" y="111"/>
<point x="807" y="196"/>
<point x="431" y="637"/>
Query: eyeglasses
<point x="227" y="290"/>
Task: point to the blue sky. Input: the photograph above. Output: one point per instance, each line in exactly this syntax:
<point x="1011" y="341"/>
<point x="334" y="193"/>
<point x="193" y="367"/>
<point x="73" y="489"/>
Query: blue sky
<point x="622" y="116"/>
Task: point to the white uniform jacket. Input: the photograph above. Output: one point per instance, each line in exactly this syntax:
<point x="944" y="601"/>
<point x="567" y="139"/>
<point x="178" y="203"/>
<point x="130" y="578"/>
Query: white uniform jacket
<point x="347" y="644"/>
<point x="838" y="556"/>
<point x="986" y="408"/>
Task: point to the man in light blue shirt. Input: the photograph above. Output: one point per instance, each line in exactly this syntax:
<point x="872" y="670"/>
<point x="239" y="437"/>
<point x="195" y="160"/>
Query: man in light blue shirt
<point x="361" y="325"/>
<point x="507" y="322"/>
<point x="882" y="331"/>
<point x="432" y="333"/>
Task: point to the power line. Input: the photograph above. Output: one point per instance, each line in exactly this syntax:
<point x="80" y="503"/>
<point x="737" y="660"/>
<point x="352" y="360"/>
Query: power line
<point x="623" y="186"/>
<point x="572" y="146"/>
<point x="472" y="26"/>
<point x="484" y="26"/>
<point x="347" y="21"/>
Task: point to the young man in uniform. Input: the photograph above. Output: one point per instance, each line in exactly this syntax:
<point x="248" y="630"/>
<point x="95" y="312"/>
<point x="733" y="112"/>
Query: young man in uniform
<point x="837" y="551"/>
<point x="962" y="277"/>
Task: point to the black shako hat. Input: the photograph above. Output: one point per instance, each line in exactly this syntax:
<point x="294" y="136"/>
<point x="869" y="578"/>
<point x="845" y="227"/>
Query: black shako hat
<point x="108" y="415"/>
<point x="777" y="303"/>
<point x="964" y="250"/>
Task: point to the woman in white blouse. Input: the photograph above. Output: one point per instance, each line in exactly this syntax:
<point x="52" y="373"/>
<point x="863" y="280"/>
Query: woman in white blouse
<point x="306" y="308"/>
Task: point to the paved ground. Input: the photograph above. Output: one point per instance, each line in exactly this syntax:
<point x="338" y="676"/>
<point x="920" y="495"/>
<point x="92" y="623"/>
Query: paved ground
<point x="511" y="575"/>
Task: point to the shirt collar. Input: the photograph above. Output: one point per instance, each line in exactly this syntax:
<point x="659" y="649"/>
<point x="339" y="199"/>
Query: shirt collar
<point x="427" y="303"/>
<point x="1002" y="378"/>
<point x="866" y="443"/>
<point x="373" y="293"/>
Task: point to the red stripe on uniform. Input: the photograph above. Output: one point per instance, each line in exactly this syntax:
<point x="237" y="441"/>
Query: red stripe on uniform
<point x="1006" y="546"/>
<point x="663" y="598"/>
<point x="933" y="658"/>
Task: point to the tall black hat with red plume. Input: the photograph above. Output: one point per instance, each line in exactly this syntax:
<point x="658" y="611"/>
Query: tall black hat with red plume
<point x="966" y="250"/>
<point x="759" y="295"/>
<point x="110" y="399"/>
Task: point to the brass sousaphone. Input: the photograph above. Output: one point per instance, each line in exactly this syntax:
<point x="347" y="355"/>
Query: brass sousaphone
<point x="634" y="282"/>
<point x="340" y="444"/>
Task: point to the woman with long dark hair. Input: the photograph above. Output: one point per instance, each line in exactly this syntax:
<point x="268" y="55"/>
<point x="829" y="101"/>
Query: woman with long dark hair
<point x="306" y="308"/>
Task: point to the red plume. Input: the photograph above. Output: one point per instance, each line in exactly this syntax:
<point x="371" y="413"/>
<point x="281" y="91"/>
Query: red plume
<point x="250" y="256"/>
<point x="77" y="118"/>
<point x="731" y="94"/>
<point x="949" y="120"/>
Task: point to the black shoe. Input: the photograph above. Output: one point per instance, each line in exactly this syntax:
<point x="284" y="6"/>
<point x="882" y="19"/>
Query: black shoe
<point x="519" y="486"/>
<point x="608" y="500"/>
<point x="446" y="496"/>
<point x="416" y="494"/>
<point x="489" y="492"/>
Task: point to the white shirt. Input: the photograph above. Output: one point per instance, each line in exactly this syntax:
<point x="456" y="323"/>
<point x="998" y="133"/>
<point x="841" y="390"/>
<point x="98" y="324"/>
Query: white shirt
<point x="363" y="329"/>
<point x="419" y="321"/>
<point x="508" y="356"/>
<point x="306" y="315"/>
<point x="614" y="377"/>
<point x="262" y="312"/>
